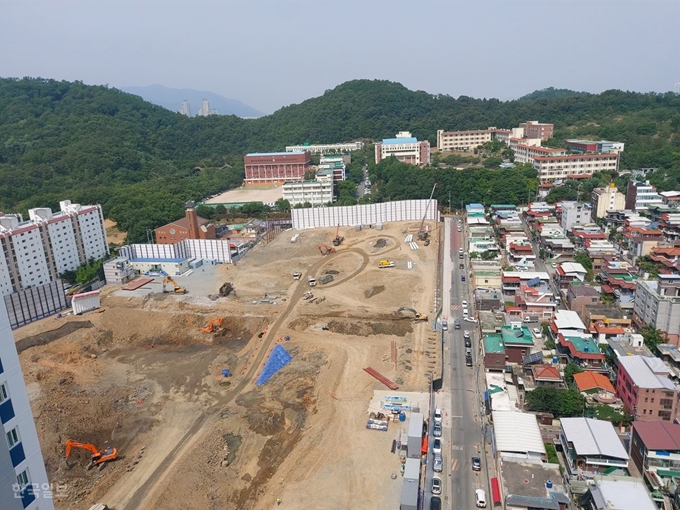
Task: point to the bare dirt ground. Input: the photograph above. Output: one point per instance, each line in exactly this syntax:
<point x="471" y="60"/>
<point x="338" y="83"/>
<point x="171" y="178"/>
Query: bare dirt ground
<point x="142" y="377"/>
<point x="113" y="235"/>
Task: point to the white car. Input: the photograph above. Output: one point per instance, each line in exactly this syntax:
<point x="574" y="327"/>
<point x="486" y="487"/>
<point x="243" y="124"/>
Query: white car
<point x="438" y="464"/>
<point x="466" y="334"/>
<point x="537" y="332"/>
<point x="436" y="486"/>
<point x="554" y="264"/>
<point x="438" y="416"/>
<point x="469" y="319"/>
<point x="464" y="303"/>
<point x="437" y="446"/>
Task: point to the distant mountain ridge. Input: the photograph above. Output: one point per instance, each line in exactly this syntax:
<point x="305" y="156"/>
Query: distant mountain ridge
<point x="550" y="93"/>
<point x="171" y="99"/>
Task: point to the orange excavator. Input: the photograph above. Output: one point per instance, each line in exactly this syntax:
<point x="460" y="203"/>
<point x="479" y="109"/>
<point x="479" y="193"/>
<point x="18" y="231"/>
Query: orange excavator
<point x="98" y="457"/>
<point x="213" y="326"/>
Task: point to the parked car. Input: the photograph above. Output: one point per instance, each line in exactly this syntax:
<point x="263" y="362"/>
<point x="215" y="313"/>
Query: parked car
<point x="461" y="266"/>
<point x="435" y="503"/>
<point x="438" y="416"/>
<point x="537" y="332"/>
<point x="437" y="446"/>
<point x="468" y="361"/>
<point x="476" y="463"/>
<point x="466" y="334"/>
<point x="437" y="430"/>
<point x="468" y="342"/>
<point x="438" y="464"/>
<point x="436" y="485"/>
<point x="480" y="498"/>
<point x="554" y="264"/>
<point x="462" y="278"/>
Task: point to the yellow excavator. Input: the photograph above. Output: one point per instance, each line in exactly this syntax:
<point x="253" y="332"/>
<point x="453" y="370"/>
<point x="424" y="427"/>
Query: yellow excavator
<point x="417" y="316"/>
<point x="177" y="289"/>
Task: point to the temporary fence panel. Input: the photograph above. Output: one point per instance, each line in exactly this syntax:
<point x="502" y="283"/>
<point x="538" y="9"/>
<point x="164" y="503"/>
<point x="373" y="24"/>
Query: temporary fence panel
<point x="209" y="249"/>
<point x="85" y="302"/>
<point x="35" y="303"/>
<point x="366" y="214"/>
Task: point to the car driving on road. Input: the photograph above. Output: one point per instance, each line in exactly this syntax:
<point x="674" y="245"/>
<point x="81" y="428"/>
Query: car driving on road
<point x="476" y="463"/>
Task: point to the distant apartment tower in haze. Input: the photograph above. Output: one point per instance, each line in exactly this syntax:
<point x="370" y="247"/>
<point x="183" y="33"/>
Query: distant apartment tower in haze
<point x="23" y="478"/>
<point x="205" y="109"/>
<point x="186" y="108"/>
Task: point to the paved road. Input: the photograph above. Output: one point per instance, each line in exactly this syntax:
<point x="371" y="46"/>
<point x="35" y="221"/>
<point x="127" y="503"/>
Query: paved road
<point x="460" y="395"/>
<point x="361" y="187"/>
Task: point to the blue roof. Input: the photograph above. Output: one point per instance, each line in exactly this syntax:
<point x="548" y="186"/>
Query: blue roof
<point x="396" y="141"/>
<point x="273" y="153"/>
<point x="158" y="260"/>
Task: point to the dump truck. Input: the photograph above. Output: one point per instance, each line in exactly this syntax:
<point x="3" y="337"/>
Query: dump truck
<point x="385" y="263"/>
<point x="312" y="281"/>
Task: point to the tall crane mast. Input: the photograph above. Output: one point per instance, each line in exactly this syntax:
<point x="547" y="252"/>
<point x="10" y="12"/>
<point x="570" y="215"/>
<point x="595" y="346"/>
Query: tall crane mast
<point x="422" y="234"/>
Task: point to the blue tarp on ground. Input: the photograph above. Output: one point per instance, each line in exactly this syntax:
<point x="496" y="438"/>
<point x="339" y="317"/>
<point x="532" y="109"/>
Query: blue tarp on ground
<point x="278" y="359"/>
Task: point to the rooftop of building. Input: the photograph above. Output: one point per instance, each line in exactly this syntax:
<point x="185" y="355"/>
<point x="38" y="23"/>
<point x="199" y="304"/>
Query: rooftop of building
<point x="184" y="223"/>
<point x="621" y="494"/>
<point x="516" y="336"/>
<point x="517" y="433"/>
<point x="291" y="153"/>
<point x="399" y="141"/>
<point x="670" y="350"/>
<point x="591" y="380"/>
<point x="658" y="435"/>
<point x="629" y="344"/>
<point x="647" y="372"/>
<point x="581" y="346"/>
<point x="566" y="319"/>
<point x="572" y="267"/>
<point x="521" y="494"/>
<point x="493" y="343"/>
<point x="546" y="373"/>
<point x="593" y="437"/>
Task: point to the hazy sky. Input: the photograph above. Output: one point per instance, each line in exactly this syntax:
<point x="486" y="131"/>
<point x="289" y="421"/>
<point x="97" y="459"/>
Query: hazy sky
<point x="270" y="53"/>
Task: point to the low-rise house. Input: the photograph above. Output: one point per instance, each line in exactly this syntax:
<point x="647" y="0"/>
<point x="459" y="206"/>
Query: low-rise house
<point x="670" y="354"/>
<point x="582" y="236"/>
<point x="609" y="315"/>
<point x="518" y="342"/>
<point x="494" y="352"/>
<point x="488" y="299"/>
<point x="580" y="349"/>
<point x="519" y="253"/>
<point x="619" y="280"/>
<point x="592" y="383"/>
<point x="597" y="250"/>
<point x="545" y="492"/>
<point x="580" y="296"/>
<point x="647" y="393"/>
<point x="641" y="241"/>
<point x="590" y="447"/>
<point x="667" y="259"/>
<point x="628" y="344"/>
<point x="655" y="450"/>
<point x="513" y="280"/>
<point x="535" y="301"/>
<point x="569" y="273"/>
<point x="518" y="434"/>
<point x="547" y="375"/>
<point x="617" y="493"/>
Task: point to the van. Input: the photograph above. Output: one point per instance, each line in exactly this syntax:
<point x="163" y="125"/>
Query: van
<point x="445" y="326"/>
<point x="480" y="498"/>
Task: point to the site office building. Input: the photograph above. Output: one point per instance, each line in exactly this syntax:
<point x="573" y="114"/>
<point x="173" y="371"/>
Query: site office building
<point x="36" y="252"/>
<point x="276" y="167"/>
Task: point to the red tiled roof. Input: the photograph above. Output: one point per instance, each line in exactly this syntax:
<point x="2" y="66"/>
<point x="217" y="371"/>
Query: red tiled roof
<point x="579" y="176"/>
<point x="520" y="247"/>
<point x="546" y="372"/>
<point x="575" y="352"/>
<point x="589" y="380"/>
<point x="668" y="251"/>
<point x="590" y="235"/>
<point x="511" y="279"/>
<point x="607" y="289"/>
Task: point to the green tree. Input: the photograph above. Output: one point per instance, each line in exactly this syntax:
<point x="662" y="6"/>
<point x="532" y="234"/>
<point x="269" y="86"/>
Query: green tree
<point x="220" y="210"/>
<point x="583" y="259"/>
<point x="282" y="205"/>
<point x="562" y="403"/>
<point x="652" y="337"/>
<point x="569" y="371"/>
<point x="492" y="162"/>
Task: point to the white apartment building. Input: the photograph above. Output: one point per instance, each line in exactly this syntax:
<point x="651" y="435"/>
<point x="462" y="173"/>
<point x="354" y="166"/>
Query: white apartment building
<point x="525" y="153"/>
<point x="579" y="165"/>
<point x="607" y="199"/>
<point x="37" y="251"/>
<point x="23" y="479"/>
<point x="316" y="192"/>
<point x="641" y="195"/>
<point x="574" y="213"/>
<point x="335" y="163"/>
<point x="463" y="140"/>
<point x="328" y="148"/>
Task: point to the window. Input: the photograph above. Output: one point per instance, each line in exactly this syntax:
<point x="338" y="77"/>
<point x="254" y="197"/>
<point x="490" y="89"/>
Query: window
<point x="22" y="478"/>
<point x="3" y="393"/>
<point x="13" y="437"/>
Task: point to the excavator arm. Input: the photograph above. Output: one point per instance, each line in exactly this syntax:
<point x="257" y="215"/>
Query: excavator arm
<point x="85" y="446"/>
<point x="98" y="457"/>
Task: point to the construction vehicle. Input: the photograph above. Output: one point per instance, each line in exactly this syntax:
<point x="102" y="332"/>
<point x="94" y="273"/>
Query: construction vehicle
<point x="297" y="276"/>
<point x="312" y="281"/>
<point x="213" y="325"/>
<point x="98" y="457"/>
<point x="325" y="250"/>
<point x="226" y="289"/>
<point x="337" y="240"/>
<point x="308" y="296"/>
<point x="417" y="316"/>
<point x="177" y="288"/>
<point x="385" y="263"/>
<point x="422" y="233"/>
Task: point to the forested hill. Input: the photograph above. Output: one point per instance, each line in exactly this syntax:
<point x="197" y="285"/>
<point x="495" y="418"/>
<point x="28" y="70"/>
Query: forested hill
<point x="97" y="144"/>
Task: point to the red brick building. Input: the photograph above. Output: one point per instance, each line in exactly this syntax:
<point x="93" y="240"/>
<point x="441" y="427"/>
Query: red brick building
<point x="535" y="129"/>
<point x="191" y="226"/>
<point x="276" y="167"/>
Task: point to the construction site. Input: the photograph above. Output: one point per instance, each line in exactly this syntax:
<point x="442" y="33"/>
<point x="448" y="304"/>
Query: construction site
<point x="243" y="386"/>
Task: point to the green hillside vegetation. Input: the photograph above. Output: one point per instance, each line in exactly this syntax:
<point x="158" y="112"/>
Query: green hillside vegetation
<point x="94" y="144"/>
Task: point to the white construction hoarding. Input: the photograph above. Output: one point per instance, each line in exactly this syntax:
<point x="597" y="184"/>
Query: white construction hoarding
<point x="35" y="303"/>
<point x="367" y="214"/>
<point x="209" y="249"/>
<point x="85" y="302"/>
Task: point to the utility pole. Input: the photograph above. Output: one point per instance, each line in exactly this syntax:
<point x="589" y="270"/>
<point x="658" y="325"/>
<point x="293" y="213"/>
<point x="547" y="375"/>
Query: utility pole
<point x="449" y="202"/>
